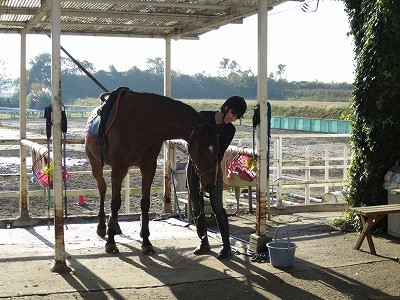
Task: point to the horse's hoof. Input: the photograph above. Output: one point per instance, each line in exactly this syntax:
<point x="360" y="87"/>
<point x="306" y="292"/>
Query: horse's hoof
<point x="111" y="248"/>
<point x="101" y="232"/>
<point x="148" y="249"/>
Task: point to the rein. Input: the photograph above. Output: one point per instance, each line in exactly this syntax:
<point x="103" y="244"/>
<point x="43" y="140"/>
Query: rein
<point x="194" y="165"/>
<point x="198" y="171"/>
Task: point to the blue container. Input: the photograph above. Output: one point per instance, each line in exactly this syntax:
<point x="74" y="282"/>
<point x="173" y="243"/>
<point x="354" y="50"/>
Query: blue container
<point x="281" y="253"/>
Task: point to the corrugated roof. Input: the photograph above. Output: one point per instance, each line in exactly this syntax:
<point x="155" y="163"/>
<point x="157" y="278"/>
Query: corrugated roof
<point x="136" y="18"/>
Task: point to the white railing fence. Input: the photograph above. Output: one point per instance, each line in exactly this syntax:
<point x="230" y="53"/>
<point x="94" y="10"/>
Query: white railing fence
<point x="306" y="161"/>
<point x="299" y="164"/>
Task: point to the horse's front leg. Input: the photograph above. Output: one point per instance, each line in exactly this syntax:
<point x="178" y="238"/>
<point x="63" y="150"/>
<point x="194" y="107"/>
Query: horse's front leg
<point x="101" y="227"/>
<point x="147" y="179"/>
<point x="113" y="226"/>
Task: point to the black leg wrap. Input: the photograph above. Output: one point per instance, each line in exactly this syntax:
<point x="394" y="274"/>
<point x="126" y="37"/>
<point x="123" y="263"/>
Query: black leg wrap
<point x="201" y="227"/>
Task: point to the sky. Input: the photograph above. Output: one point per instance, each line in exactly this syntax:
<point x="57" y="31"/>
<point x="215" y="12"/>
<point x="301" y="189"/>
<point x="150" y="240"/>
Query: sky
<point x="312" y="46"/>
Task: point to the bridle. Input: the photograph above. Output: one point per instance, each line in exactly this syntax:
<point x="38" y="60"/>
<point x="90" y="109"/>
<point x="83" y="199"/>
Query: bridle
<point x="200" y="174"/>
<point x="198" y="171"/>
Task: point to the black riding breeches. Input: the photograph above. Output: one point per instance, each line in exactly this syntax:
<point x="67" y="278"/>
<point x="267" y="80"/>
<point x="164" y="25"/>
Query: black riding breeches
<point x="196" y="199"/>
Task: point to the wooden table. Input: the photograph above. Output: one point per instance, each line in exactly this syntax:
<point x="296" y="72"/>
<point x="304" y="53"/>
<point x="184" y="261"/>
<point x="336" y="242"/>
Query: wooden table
<point x="370" y="216"/>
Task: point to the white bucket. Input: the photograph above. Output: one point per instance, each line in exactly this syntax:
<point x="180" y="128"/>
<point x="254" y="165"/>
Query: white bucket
<point x="180" y="180"/>
<point x="281" y="253"/>
<point x="334" y="197"/>
<point x="180" y="177"/>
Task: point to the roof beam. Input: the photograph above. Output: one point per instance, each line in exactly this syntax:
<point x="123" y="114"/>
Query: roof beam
<point x="13" y="23"/>
<point x="160" y="4"/>
<point x="18" y="10"/>
<point x="136" y="15"/>
<point x="234" y="18"/>
<point x="97" y="33"/>
<point x="106" y="14"/>
<point x="93" y="24"/>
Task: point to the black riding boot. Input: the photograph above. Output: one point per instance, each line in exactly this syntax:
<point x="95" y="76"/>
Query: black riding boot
<point x="201" y="227"/>
<point x="222" y="220"/>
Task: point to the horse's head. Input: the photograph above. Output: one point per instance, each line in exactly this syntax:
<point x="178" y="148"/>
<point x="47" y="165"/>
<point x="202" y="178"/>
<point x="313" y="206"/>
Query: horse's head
<point x="203" y="151"/>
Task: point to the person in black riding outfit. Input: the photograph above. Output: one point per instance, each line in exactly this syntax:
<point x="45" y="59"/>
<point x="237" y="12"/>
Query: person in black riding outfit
<point x="231" y="110"/>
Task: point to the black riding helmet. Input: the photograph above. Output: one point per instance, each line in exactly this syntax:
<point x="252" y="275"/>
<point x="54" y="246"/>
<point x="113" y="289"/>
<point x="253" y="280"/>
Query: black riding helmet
<point x="237" y="103"/>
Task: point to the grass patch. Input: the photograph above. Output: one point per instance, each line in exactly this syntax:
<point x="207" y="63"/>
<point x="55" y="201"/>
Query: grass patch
<point x="299" y="109"/>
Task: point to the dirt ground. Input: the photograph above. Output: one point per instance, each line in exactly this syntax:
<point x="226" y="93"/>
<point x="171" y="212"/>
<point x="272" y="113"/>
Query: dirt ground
<point x="77" y="161"/>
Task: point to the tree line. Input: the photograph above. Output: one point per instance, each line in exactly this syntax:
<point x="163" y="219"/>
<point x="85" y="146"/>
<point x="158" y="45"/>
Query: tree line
<point x="231" y="80"/>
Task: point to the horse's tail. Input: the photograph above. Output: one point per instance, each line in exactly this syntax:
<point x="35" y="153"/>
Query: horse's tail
<point x="104" y="112"/>
<point x="103" y="142"/>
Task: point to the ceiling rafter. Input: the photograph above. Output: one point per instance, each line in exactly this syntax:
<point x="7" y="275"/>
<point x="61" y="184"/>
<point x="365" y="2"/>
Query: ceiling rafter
<point x="38" y="16"/>
<point x="233" y="19"/>
<point x="137" y="15"/>
<point x="111" y="14"/>
<point x="104" y="25"/>
<point x="192" y="5"/>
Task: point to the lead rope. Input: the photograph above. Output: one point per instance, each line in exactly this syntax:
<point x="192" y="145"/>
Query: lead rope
<point x="64" y="131"/>
<point x="269" y="114"/>
<point x="47" y="115"/>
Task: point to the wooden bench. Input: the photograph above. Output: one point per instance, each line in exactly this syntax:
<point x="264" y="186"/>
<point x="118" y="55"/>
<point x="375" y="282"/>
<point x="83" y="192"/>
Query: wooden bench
<point x="370" y="216"/>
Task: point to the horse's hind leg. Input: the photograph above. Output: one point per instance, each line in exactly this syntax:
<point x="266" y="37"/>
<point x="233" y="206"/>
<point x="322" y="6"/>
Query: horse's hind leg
<point x="97" y="171"/>
<point x="117" y="176"/>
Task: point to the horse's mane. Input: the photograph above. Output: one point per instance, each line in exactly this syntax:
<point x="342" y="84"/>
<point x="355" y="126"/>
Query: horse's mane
<point x="178" y="103"/>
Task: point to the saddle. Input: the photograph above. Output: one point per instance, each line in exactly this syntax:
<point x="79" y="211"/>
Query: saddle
<point x="102" y="117"/>
<point x="108" y="109"/>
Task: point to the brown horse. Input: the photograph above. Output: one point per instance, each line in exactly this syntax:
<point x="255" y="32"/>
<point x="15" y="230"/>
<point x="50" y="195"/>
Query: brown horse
<point x="142" y="122"/>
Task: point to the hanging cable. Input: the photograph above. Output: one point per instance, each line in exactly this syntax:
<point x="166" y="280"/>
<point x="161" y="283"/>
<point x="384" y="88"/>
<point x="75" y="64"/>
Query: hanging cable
<point x="256" y="122"/>
<point x="308" y="9"/>
<point x="64" y="127"/>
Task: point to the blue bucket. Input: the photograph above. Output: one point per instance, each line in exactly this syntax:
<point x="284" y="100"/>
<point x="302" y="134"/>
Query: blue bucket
<point x="281" y="253"/>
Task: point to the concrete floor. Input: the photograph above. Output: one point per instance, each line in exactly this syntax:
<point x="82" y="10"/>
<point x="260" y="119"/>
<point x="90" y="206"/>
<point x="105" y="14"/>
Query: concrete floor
<point x="325" y="264"/>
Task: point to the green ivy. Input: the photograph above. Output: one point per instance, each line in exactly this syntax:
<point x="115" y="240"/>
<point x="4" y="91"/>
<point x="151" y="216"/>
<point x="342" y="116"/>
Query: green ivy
<point x="349" y="222"/>
<point x="375" y="102"/>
